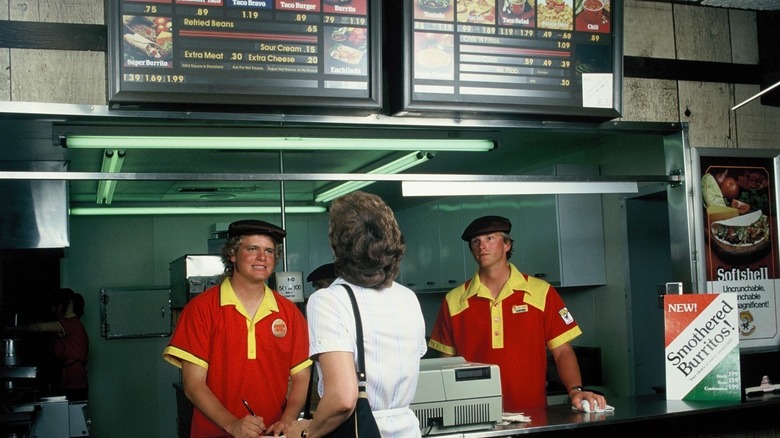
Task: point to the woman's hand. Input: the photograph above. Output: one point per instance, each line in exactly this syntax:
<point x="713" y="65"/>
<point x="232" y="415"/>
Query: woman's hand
<point x="295" y="428"/>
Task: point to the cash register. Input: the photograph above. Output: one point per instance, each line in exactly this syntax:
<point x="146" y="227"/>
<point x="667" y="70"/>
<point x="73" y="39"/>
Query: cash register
<point x="454" y="395"/>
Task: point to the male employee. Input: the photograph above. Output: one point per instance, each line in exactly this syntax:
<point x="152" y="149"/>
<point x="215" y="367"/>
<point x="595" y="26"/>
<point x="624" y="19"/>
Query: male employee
<point x="502" y="316"/>
<point x="240" y="344"/>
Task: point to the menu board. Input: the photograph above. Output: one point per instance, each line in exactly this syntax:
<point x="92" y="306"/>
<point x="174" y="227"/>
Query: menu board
<point x="245" y="52"/>
<point x="561" y="57"/>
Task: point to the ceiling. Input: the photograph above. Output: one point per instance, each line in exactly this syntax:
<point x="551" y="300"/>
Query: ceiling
<point x="166" y="177"/>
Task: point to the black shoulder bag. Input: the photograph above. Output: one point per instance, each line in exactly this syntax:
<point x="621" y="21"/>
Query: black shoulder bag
<point x="361" y="423"/>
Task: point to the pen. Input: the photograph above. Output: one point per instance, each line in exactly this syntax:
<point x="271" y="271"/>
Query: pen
<point x="251" y="412"/>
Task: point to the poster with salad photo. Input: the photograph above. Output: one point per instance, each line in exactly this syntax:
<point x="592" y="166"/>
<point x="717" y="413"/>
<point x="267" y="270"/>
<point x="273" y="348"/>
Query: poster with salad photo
<point x="741" y="238"/>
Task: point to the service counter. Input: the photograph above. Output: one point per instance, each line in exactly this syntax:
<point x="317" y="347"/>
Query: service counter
<point x="650" y="415"/>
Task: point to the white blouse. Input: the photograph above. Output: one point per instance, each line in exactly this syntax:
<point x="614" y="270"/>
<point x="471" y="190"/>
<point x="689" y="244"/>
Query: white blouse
<point x="394" y="342"/>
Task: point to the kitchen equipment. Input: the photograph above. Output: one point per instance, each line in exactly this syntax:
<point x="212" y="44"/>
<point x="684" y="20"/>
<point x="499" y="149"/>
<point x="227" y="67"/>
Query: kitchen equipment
<point x="56" y="417"/>
<point x="193" y="274"/>
<point x="10" y="353"/>
<point x="454" y="395"/>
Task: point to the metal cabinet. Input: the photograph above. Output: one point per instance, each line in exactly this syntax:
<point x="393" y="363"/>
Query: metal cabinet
<point x="562" y="236"/>
<point x="135" y="312"/>
<point x="434" y="259"/>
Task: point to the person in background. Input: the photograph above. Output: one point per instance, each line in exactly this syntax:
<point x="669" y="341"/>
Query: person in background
<point x="242" y="347"/>
<point x="502" y="316"/>
<point x="69" y="347"/>
<point x="368" y="247"/>
<point x="322" y="277"/>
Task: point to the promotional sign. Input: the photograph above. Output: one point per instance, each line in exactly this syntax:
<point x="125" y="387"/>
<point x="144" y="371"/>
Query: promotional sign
<point x="740" y="231"/>
<point x="702" y="347"/>
<point x="245" y="52"/>
<point x="290" y="285"/>
<point x="529" y="56"/>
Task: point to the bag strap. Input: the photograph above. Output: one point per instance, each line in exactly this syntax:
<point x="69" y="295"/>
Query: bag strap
<point x="361" y="371"/>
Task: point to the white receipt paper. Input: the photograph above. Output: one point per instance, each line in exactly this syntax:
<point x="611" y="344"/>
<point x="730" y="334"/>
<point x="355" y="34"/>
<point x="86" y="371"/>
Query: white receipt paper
<point x="597" y="90"/>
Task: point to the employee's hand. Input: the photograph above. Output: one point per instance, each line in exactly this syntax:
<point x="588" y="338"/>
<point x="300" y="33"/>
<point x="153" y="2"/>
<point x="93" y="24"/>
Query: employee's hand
<point x="594" y="399"/>
<point x="247" y="427"/>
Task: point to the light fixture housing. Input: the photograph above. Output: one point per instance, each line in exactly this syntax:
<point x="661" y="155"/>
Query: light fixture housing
<point x="173" y="210"/>
<point x="112" y="163"/>
<point x="481" y="188"/>
<point x="393" y="167"/>
<point x="276" y="143"/>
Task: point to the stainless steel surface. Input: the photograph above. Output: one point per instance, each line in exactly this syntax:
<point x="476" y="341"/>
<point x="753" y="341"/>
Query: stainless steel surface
<point x="10" y="352"/>
<point x="18" y="372"/>
<point x="649" y="409"/>
<point x="35" y="213"/>
<point x="192" y="274"/>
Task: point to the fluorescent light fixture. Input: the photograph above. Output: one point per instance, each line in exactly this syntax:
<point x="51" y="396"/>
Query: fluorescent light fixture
<point x="112" y="163"/>
<point x="392" y="167"/>
<point x="277" y="143"/>
<point x="474" y="188"/>
<point x="125" y="211"/>
<point x="762" y="92"/>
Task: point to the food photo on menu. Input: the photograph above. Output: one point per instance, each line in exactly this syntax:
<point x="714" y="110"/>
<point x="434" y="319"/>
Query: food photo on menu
<point x="738" y="206"/>
<point x="555" y="14"/>
<point x="433" y="54"/>
<point x="477" y="11"/>
<point x="517" y="12"/>
<point x="346" y="48"/>
<point x="147" y="41"/>
<point x="440" y="10"/>
<point x="592" y="15"/>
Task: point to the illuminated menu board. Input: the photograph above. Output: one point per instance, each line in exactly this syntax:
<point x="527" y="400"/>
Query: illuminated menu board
<point x="245" y="52"/>
<point x="561" y="57"/>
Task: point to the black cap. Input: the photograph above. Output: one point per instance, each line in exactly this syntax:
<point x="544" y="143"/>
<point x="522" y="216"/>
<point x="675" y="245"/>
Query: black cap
<point x="252" y="226"/>
<point x="486" y="225"/>
<point x="326" y="271"/>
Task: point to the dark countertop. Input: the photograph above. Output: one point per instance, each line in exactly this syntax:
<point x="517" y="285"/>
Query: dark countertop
<point x="650" y="413"/>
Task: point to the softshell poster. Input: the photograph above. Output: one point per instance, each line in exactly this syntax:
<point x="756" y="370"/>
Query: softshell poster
<point x="741" y="240"/>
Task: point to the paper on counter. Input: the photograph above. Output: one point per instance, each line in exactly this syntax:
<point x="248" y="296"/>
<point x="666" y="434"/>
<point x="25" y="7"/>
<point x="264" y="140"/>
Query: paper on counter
<point x="515" y="417"/>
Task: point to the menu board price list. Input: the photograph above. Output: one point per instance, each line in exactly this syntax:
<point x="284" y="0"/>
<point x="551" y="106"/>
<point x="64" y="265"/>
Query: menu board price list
<point x="311" y="48"/>
<point x="510" y="52"/>
<point x="154" y="78"/>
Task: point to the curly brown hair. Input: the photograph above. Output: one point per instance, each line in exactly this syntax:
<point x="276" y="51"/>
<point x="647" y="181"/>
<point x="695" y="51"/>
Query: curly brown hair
<point x="367" y="244"/>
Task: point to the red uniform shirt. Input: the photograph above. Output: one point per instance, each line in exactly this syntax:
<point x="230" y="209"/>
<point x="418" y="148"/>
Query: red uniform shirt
<point x="512" y="331"/>
<point x="247" y="358"/>
<point x="71" y="350"/>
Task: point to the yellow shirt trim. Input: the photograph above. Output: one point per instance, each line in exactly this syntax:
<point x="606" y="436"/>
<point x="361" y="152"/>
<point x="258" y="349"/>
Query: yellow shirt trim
<point x="535" y="295"/>
<point x="175" y="356"/>
<point x="228" y="297"/>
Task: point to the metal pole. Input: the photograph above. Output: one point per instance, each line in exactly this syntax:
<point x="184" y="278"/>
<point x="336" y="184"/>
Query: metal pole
<point x="284" y="216"/>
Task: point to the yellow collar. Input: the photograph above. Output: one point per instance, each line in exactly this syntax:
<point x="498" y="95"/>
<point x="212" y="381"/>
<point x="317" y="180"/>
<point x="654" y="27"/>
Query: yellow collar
<point x="228" y="297"/>
<point x="515" y="282"/>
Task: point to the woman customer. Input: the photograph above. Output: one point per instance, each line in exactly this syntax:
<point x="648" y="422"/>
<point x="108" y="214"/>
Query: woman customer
<point x="368" y="248"/>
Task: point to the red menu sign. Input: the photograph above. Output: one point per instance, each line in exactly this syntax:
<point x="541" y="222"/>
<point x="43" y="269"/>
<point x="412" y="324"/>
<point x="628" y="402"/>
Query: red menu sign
<point x="535" y="56"/>
<point x="245" y="52"/>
